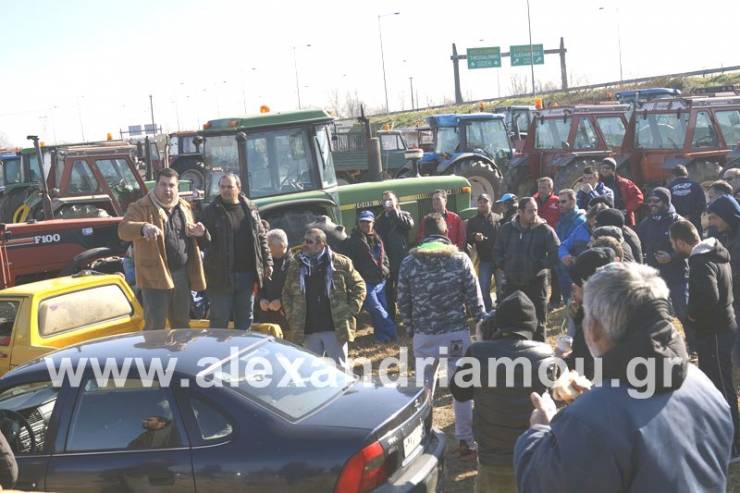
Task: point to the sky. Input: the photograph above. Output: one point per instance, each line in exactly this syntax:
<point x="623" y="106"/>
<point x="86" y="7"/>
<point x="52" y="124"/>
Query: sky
<point x="75" y="70"/>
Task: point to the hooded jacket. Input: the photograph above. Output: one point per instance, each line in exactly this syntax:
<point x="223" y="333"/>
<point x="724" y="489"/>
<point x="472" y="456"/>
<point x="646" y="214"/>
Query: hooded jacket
<point x="525" y="254"/>
<point x="654" y="235"/>
<point x="710" y="288"/>
<point x="436" y="284"/>
<point x="608" y="440"/>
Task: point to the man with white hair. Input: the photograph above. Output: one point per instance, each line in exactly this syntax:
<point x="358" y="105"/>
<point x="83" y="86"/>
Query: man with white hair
<point x="270" y="308"/>
<point x="656" y="423"/>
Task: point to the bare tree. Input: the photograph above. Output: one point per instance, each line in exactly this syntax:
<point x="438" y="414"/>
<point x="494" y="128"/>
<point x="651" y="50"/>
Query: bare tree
<point x="335" y="103"/>
<point x="352" y="104"/>
<point x="518" y="84"/>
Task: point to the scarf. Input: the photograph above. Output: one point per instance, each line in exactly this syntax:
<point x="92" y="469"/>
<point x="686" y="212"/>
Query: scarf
<point x="308" y="263"/>
<point x="163" y="207"/>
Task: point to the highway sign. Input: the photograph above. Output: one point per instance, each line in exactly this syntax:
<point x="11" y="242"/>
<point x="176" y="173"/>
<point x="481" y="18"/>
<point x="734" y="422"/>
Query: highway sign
<point x="489" y="57"/>
<point x="520" y="55"/>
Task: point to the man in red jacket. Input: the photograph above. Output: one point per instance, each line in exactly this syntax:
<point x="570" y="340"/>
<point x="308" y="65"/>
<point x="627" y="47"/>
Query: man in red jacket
<point x="547" y="201"/>
<point x="627" y="196"/>
<point x="455" y="225"/>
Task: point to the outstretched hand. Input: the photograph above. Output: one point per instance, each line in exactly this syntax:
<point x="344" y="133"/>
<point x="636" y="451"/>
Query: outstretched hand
<point x="544" y="409"/>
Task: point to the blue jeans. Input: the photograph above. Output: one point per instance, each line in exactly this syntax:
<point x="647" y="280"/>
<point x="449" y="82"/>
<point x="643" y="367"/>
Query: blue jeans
<point x="377" y="306"/>
<point x="564" y="281"/>
<point x="485" y="271"/>
<point x="237" y="304"/>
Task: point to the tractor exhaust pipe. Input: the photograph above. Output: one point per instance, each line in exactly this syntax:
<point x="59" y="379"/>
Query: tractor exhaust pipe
<point x="45" y="197"/>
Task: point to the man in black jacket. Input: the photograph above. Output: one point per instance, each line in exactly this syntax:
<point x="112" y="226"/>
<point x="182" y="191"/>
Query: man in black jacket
<point x="688" y="197"/>
<point x="501" y="411"/>
<point x="615" y="217"/>
<point x="367" y="252"/>
<point x="393" y="227"/>
<point x="236" y="257"/>
<point x="526" y="248"/>
<point x="270" y="308"/>
<point x="724" y="219"/>
<point x="710" y="311"/>
<point x="481" y="233"/>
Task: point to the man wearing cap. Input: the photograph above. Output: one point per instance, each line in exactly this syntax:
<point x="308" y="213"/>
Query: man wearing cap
<point x="614" y="217"/>
<point x="688" y="197"/>
<point x="526" y="248"/>
<point x="501" y="411"/>
<point x="654" y="233"/>
<point x="455" y="225"/>
<point x="627" y="196"/>
<point x="481" y="233"/>
<point x="507" y="207"/>
<point x="367" y="252"/>
<point x="547" y="201"/>
<point x="571" y="217"/>
<point x="592" y="187"/>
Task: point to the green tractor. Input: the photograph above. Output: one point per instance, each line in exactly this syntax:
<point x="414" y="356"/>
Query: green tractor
<point x="286" y="166"/>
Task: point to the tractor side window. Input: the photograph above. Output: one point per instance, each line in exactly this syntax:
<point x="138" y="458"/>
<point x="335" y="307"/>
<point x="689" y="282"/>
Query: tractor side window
<point x="729" y="125"/>
<point x="389" y="142"/>
<point x="448" y="140"/>
<point x="552" y="133"/>
<point x="8" y="313"/>
<point x="326" y="164"/>
<point x="612" y="128"/>
<point x="82" y="179"/>
<point x="12" y="169"/>
<point x="121" y="180"/>
<point x="585" y="135"/>
<point x="704" y="134"/>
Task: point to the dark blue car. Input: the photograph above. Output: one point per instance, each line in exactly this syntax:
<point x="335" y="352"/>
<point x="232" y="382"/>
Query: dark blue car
<point x="229" y="411"/>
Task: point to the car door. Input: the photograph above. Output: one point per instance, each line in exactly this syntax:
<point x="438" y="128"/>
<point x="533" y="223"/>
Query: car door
<point x="125" y="437"/>
<point x="28" y="412"/>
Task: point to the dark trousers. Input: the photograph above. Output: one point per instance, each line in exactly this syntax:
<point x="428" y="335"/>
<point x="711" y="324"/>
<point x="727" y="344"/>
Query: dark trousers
<point x="237" y="304"/>
<point x="715" y="360"/>
<point x="390" y="294"/>
<point x="536" y="290"/>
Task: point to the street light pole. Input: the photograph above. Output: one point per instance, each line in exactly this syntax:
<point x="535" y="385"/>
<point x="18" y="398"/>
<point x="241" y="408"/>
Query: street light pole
<point x="297" y="84"/>
<point x="382" y="56"/>
<point x="619" y="42"/>
<point x="411" y="82"/>
<point x="531" y="51"/>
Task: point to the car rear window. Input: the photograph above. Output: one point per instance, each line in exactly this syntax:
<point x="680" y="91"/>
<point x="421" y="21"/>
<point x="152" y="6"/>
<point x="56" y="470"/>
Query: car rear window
<point x="287" y="380"/>
<point x="8" y="313"/>
<point x="82" y="308"/>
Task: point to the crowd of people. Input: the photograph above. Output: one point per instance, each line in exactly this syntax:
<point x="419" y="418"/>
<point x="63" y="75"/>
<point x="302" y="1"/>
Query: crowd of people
<point x="623" y="284"/>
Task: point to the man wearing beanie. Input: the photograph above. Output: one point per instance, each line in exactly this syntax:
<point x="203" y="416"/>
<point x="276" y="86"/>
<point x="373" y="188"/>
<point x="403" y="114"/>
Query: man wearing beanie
<point x="627" y="195"/>
<point x="724" y="217"/>
<point x="613" y="217"/>
<point x="501" y="411"/>
<point x="654" y="233"/>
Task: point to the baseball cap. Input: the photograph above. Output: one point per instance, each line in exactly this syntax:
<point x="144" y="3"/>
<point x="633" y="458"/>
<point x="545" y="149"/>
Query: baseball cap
<point x="484" y="196"/>
<point x="366" y="216"/>
<point x="507" y="197"/>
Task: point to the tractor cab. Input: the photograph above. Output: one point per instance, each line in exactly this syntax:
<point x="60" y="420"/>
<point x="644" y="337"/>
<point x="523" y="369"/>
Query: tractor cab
<point x="517" y="119"/>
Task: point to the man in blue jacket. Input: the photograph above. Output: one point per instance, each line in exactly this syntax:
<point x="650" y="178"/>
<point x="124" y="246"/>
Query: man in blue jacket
<point x="660" y="425"/>
<point x="654" y="233"/>
<point x="570" y="218"/>
<point x="579" y="239"/>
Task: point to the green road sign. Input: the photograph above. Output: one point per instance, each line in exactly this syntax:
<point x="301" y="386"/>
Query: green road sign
<point x="484" y="57"/>
<point x="520" y="55"/>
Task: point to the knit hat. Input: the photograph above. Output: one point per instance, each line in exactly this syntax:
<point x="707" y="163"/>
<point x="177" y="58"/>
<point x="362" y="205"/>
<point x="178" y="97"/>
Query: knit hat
<point x="610" y="217"/>
<point x="587" y="262"/>
<point x="727" y="208"/>
<point x="603" y="199"/>
<point x="366" y="216"/>
<point x="612" y="231"/>
<point x="608" y="161"/>
<point x="516" y="314"/>
<point x="662" y="194"/>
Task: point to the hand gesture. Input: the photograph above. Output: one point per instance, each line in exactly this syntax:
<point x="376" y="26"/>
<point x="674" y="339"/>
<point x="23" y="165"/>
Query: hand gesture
<point x="587" y="188"/>
<point x="662" y="257"/>
<point x="264" y="305"/>
<point x="544" y="409"/>
<point x="150" y="231"/>
<point x="196" y="230"/>
<point x="268" y="272"/>
<point x="275" y="305"/>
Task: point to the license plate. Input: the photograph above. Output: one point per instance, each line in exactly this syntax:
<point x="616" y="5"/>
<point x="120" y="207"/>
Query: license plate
<point x="413" y="440"/>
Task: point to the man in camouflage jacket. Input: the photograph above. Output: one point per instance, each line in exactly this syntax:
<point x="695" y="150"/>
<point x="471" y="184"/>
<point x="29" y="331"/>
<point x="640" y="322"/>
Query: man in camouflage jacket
<point x="436" y="284"/>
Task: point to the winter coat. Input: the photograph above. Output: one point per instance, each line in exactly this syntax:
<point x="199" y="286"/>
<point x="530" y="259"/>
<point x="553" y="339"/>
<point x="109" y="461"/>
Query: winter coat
<point x="689" y="200"/>
<point x="436" y="284"/>
<point x="488" y="226"/>
<point x="393" y="229"/>
<point x="710" y="305"/>
<point x="627" y="197"/>
<point x="607" y="440"/>
<point x="569" y="222"/>
<point x="525" y="254"/>
<point x="272" y="289"/>
<point x="576" y="243"/>
<point x="631" y="238"/>
<point x="455" y="230"/>
<point x="368" y="256"/>
<point x="583" y="198"/>
<point x="150" y="257"/>
<point x="549" y="210"/>
<point x="731" y="241"/>
<point x="219" y="246"/>
<point x="654" y="236"/>
<point x="502" y="411"/>
<point x="347" y="294"/>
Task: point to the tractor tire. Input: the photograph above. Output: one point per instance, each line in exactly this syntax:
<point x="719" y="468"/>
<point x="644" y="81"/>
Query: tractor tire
<point x="701" y="171"/>
<point x="192" y="170"/>
<point x="483" y="178"/>
<point x="520" y="182"/>
<point x="570" y="175"/>
<point x="12" y="200"/>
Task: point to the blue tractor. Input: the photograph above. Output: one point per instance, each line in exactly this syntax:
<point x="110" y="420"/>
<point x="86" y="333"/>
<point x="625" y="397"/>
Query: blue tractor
<point x="475" y="146"/>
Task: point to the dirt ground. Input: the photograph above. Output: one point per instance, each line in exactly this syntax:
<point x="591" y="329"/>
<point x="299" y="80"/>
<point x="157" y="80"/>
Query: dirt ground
<point x="459" y="472"/>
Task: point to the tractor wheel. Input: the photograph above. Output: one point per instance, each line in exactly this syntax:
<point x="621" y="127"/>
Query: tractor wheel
<point x="701" y="171"/>
<point x="520" y="182"/>
<point x="483" y="178"/>
<point x="12" y="200"/>
<point x="570" y="175"/>
<point x="192" y="170"/>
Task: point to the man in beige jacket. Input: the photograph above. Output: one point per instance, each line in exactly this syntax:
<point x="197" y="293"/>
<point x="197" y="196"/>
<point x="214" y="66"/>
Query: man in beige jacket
<point x="166" y="255"/>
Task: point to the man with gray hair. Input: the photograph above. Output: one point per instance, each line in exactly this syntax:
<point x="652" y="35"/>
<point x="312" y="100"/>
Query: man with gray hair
<point x="270" y="309"/>
<point x="638" y="431"/>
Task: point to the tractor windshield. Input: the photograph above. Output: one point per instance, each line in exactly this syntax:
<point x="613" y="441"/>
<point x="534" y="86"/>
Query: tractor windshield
<point x="221" y="151"/>
<point x="448" y="140"/>
<point x="489" y="135"/>
<point x="661" y="130"/>
<point x="552" y="133"/>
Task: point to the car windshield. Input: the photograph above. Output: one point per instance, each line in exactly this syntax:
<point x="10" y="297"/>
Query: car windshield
<point x="281" y="377"/>
<point x="280" y="161"/>
<point x="661" y="130"/>
<point x="552" y="133"/>
<point x="448" y="140"/>
<point x="489" y="135"/>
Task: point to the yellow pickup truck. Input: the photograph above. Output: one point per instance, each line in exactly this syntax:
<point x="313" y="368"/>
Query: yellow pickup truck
<point x="43" y="316"/>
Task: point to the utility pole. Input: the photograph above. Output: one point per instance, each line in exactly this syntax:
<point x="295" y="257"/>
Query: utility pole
<point x="411" y="82"/>
<point x="382" y="56"/>
<point x="151" y="108"/>
<point x="531" y="52"/>
<point x="456" y="71"/>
